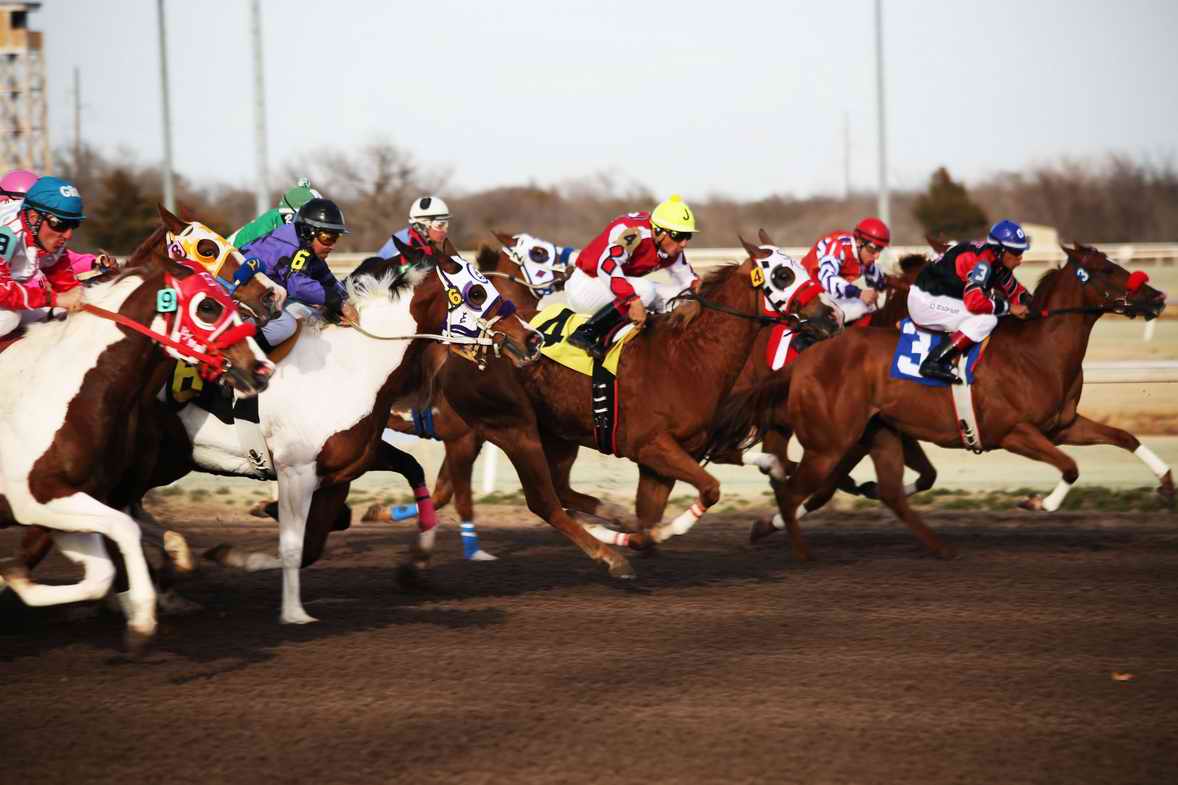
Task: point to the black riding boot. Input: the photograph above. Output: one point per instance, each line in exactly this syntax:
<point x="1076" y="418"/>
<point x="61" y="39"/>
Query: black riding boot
<point x="939" y="363"/>
<point x="589" y="337"/>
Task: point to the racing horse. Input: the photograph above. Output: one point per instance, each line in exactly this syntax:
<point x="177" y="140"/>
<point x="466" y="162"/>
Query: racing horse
<point x="72" y="443"/>
<point x="671" y="380"/>
<point x="1026" y="392"/>
<point x="318" y="450"/>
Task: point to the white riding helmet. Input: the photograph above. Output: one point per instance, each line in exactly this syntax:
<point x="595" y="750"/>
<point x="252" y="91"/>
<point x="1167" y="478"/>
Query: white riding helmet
<point x="428" y="208"/>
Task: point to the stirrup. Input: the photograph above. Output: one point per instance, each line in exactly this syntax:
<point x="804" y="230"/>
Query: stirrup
<point x="940" y="372"/>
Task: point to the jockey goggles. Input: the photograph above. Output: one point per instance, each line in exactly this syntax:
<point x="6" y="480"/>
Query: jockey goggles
<point x="61" y="224"/>
<point x="679" y="237"/>
<point x="327" y="238"/>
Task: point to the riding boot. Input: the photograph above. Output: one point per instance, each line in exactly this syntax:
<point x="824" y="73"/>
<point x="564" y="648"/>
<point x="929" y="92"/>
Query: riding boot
<point x="590" y="336"/>
<point x="939" y="363"/>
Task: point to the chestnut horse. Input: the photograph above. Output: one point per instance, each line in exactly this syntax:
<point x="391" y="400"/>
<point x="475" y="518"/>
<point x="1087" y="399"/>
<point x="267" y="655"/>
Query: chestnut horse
<point x="70" y="426"/>
<point x="1026" y="392"/>
<point x="539" y="415"/>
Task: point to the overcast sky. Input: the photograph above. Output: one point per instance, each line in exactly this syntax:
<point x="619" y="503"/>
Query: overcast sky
<point x="733" y="97"/>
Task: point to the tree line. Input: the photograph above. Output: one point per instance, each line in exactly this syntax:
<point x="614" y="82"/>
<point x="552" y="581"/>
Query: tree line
<point x="1117" y="198"/>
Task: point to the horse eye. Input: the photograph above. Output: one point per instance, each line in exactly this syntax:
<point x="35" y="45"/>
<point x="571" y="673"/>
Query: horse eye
<point x="476" y="295"/>
<point x="208" y="249"/>
<point x="782" y="277"/>
<point x="539" y="255"/>
<point x="209" y="309"/>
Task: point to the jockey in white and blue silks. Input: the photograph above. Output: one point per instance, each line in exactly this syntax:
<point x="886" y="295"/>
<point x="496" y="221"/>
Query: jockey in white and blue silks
<point x="294" y="256"/>
<point x="429" y="225"/>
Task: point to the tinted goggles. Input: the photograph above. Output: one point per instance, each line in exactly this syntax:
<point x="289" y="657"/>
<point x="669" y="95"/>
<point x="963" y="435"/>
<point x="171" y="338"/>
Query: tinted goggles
<point x="62" y="224"/>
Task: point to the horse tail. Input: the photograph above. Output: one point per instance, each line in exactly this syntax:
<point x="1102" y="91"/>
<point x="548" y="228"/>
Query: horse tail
<point x="743" y="418"/>
<point x="488" y="258"/>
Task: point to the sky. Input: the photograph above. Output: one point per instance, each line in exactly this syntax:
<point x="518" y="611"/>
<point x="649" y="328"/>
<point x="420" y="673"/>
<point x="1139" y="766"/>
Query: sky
<point x="743" y="99"/>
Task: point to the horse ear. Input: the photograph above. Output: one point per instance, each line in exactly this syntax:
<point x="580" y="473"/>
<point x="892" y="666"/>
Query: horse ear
<point x="936" y="243"/>
<point x="174" y="224"/>
<point x="764" y="237"/>
<point x="506" y="239"/>
<point x="407" y="250"/>
<point x="754" y="251"/>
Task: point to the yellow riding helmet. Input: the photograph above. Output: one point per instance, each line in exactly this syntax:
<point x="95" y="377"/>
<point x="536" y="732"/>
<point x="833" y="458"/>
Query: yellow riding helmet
<point x="674" y="215"/>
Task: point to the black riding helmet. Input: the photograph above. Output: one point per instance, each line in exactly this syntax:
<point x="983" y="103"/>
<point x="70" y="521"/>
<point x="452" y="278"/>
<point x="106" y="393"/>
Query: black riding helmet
<point x="318" y="215"/>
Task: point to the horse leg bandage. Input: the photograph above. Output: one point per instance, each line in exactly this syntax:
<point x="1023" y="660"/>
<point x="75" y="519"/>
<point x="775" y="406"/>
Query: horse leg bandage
<point x="1150" y="459"/>
<point x="427" y="516"/>
<point x="608" y="536"/>
<point x="470" y="544"/>
<point x="1052" y="502"/>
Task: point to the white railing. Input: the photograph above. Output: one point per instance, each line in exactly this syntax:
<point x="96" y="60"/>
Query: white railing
<point x="1145" y="254"/>
<point x="1132" y="372"/>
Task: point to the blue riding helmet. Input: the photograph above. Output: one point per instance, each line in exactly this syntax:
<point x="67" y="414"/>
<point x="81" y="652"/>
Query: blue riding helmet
<point x="55" y="196"/>
<point x="1010" y="235"/>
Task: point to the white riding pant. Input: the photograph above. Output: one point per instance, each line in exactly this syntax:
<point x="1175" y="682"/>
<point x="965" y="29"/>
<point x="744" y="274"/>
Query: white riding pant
<point x="588" y="294"/>
<point x="283" y="326"/>
<point x="10" y="319"/>
<point x="947" y="314"/>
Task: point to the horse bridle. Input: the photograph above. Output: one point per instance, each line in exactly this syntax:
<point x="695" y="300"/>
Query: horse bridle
<point x="1119" y="305"/>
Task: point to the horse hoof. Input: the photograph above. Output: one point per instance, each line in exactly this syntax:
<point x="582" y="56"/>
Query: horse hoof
<point x="762" y="528"/>
<point x="219" y="554"/>
<point x="297" y="617"/>
<point x="259" y="510"/>
<point x="136" y="643"/>
<point x="481" y="555"/>
<point x="1032" y="503"/>
<point x="178" y="551"/>
<point x="411" y="577"/>
<point x="868" y="490"/>
<point x="621" y="569"/>
<point x="374" y="513"/>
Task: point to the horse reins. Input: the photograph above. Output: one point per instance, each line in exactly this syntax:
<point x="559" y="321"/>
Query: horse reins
<point x="146" y="331"/>
<point x="764" y="321"/>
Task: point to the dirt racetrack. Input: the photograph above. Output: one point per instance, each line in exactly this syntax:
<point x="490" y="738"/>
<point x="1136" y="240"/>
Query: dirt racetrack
<point x="1047" y="653"/>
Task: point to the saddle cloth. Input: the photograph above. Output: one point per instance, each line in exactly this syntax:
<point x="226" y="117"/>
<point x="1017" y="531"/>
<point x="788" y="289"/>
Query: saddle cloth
<point x="557" y="322"/>
<point x="915" y="344"/>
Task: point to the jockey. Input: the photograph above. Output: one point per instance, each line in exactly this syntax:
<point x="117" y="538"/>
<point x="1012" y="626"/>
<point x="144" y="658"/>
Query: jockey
<point x="15" y="184"/>
<point x="608" y="279"/>
<point x="294" y="256"/>
<point x="275" y="217"/>
<point x="429" y="225"/>
<point x="36" y="271"/>
<point x="965" y="291"/>
<point x="838" y="259"/>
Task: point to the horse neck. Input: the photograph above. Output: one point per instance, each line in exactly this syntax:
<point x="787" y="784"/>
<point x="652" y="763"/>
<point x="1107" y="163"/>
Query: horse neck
<point x="1059" y="343"/>
<point x="135" y="357"/>
<point x="717" y="343"/>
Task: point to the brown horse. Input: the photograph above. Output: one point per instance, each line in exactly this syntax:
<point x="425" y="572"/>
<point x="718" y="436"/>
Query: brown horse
<point x="1026" y="392"/>
<point x="69" y="447"/>
<point x="540" y="415"/>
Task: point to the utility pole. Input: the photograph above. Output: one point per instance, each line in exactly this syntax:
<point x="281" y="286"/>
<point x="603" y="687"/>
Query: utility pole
<point x="77" y="123"/>
<point x="884" y="208"/>
<point x="262" y="189"/>
<point x="169" y="186"/>
<point x="846" y="155"/>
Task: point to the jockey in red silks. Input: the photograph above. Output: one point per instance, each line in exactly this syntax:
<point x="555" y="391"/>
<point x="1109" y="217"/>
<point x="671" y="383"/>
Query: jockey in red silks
<point x="36" y="268"/>
<point x="14" y="186"/>
<point x="965" y="291"/>
<point x="608" y="280"/>
<point x="838" y="260"/>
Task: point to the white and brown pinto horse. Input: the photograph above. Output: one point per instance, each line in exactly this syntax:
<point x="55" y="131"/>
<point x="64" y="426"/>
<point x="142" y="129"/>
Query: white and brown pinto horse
<point x="68" y="415"/>
<point x="318" y="448"/>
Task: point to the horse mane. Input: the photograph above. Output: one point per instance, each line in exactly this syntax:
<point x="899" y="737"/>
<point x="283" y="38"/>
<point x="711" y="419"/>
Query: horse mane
<point x="488" y="259"/>
<point x="1046" y="285"/>
<point x="716" y="279"/>
<point x="913" y="261"/>
<point x="369" y="283"/>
